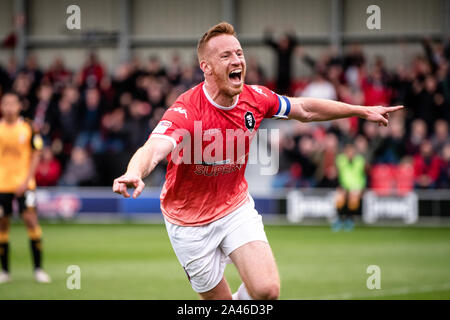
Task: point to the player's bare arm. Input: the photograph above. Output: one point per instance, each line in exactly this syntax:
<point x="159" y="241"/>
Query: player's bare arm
<point x="313" y="109"/>
<point x="35" y="157"/>
<point x="141" y="165"/>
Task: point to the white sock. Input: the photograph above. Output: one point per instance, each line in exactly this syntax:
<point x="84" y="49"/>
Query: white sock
<point x="241" y="294"/>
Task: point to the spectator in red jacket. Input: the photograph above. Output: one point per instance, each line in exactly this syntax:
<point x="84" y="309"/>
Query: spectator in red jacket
<point x="427" y="166"/>
<point x="376" y="92"/>
<point x="48" y="170"/>
<point x="58" y="74"/>
<point x="92" y="73"/>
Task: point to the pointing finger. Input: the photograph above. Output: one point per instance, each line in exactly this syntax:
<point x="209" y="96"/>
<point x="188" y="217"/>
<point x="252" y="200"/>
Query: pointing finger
<point x="392" y="109"/>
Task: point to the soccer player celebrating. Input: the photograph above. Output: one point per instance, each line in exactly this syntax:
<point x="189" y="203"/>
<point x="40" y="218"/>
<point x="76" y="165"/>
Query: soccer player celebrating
<point x="209" y="214"/>
<point x="19" y="156"/>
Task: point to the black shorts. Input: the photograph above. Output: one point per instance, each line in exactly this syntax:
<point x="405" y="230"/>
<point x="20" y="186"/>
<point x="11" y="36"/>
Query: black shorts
<point x="28" y="200"/>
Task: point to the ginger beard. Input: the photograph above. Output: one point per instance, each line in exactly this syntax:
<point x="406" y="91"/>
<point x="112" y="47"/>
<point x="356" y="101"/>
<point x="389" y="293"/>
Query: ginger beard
<point x="228" y="73"/>
<point x="228" y="82"/>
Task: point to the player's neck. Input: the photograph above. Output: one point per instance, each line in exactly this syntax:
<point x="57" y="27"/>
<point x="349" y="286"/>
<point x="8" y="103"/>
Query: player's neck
<point x="10" y="120"/>
<point x="219" y="97"/>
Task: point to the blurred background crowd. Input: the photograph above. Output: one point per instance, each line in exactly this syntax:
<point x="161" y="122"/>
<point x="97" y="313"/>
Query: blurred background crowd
<point x="416" y="143"/>
<point x="93" y="121"/>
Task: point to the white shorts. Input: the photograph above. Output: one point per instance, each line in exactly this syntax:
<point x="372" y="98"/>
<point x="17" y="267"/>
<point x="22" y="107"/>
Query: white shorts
<point x="203" y="250"/>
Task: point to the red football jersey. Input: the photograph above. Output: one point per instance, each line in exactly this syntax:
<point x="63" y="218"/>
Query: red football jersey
<point x="205" y="176"/>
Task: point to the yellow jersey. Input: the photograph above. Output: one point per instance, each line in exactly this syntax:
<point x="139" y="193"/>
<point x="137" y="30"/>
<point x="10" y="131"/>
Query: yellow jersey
<point x="17" y="142"/>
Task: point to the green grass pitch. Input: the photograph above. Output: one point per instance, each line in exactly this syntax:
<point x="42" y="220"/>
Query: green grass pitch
<point x="135" y="261"/>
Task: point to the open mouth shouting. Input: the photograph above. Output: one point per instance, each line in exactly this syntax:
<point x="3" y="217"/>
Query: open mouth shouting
<point x="235" y="76"/>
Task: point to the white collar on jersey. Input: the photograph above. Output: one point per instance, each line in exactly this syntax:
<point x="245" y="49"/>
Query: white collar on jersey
<point x="218" y="105"/>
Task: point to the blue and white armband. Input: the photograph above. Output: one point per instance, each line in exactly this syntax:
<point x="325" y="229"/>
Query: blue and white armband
<point x="284" y="107"/>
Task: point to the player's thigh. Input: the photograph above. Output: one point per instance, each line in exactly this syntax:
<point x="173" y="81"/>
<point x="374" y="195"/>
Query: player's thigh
<point x="354" y="198"/>
<point x="220" y="292"/>
<point x="4" y="224"/>
<point x="258" y="270"/>
<point x="30" y="218"/>
<point x="247" y="245"/>
<point x="341" y="197"/>
<point x="355" y="195"/>
<point x="6" y="200"/>
<point x="27" y="208"/>
<point x="197" y="250"/>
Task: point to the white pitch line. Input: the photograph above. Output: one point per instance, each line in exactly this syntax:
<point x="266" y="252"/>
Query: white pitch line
<point x="382" y="292"/>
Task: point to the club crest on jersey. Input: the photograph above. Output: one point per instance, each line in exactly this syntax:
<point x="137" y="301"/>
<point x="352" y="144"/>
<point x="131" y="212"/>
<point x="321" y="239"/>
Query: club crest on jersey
<point x="249" y="120"/>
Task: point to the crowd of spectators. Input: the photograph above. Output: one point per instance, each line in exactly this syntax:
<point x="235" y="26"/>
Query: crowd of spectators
<point x="92" y="121"/>
<point x="418" y="136"/>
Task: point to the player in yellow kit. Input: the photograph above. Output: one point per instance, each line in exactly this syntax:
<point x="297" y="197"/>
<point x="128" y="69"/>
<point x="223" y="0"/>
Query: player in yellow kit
<point x="19" y="155"/>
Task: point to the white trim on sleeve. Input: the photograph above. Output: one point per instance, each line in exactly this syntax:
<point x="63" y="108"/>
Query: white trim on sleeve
<point x="155" y="135"/>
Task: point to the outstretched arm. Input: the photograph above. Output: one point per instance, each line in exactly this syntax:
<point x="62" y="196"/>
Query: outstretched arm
<point x="141" y="164"/>
<point x="312" y="109"/>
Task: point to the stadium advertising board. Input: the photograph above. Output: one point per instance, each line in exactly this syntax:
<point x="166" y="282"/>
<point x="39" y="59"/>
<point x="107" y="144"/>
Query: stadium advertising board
<point x="390" y="207"/>
<point x="315" y="204"/>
